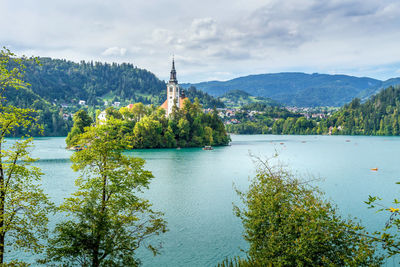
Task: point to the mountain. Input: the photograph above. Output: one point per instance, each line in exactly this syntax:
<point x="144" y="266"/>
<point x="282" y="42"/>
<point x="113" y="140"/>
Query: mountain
<point x="239" y="98"/>
<point x="300" y="89"/>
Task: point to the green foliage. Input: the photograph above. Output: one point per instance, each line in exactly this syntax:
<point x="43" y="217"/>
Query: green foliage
<point x="389" y="235"/>
<point x="81" y="120"/>
<point x="271" y="120"/>
<point x="23" y="205"/>
<point x="147" y="127"/>
<point x="261" y="106"/>
<point x="147" y="133"/>
<point x="109" y="220"/>
<point x="238" y="262"/>
<point x="287" y="223"/>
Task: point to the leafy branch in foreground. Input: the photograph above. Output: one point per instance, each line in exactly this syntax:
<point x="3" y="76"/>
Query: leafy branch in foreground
<point x="109" y="219"/>
<point x="389" y="235"/>
<point x="288" y="223"/>
<point x="23" y="205"/>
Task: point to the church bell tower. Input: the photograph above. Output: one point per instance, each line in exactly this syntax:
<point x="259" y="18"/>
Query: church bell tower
<point x="173" y="94"/>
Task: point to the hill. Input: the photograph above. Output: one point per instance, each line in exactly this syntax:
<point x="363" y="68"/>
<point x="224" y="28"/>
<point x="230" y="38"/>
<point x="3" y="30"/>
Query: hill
<point x="66" y="81"/>
<point x="48" y="115"/>
<point x="238" y="98"/>
<point x="301" y="89"/>
<point x="379" y="115"/>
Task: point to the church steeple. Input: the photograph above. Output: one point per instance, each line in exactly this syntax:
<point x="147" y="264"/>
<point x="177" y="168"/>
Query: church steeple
<point x="172" y="78"/>
<point x="175" y="95"/>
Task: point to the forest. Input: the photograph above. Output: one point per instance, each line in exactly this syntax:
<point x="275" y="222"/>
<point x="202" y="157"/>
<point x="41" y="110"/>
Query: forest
<point x="377" y="116"/>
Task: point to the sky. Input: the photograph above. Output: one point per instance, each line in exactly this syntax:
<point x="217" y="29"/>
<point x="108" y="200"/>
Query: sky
<point x="212" y="39"/>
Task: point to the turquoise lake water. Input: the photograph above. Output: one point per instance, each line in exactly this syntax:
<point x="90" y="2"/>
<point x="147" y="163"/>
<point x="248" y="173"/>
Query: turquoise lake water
<point x="194" y="188"/>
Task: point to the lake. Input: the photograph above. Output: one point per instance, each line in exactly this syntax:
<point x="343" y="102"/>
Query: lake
<point x="194" y="188"/>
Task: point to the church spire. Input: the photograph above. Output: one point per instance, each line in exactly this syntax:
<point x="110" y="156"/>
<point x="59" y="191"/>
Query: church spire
<point x="172" y="78"/>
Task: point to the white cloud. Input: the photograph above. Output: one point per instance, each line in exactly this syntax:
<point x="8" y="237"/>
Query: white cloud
<point x="114" y="51"/>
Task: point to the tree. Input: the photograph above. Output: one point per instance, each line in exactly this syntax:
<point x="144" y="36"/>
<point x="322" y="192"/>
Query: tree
<point x="23" y="205"/>
<point x="287" y="223"/>
<point x="110" y="220"/>
<point x="81" y="120"/>
<point x="147" y="133"/>
<point x="208" y="135"/>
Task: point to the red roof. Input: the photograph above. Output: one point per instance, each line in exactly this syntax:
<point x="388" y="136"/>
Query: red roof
<point x="181" y="100"/>
<point x="165" y="105"/>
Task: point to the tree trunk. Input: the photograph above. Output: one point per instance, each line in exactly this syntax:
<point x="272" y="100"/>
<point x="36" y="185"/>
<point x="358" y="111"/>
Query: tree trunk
<point x="2" y="206"/>
<point x="95" y="259"/>
<point x="99" y="229"/>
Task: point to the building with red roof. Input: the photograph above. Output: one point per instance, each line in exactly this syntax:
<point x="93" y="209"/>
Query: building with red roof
<point x="175" y="95"/>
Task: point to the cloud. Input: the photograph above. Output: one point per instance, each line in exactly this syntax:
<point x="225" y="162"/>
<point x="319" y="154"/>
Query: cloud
<point x="208" y="37"/>
<point x="204" y="29"/>
<point x="231" y="54"/>
<point x="114" y="51"/>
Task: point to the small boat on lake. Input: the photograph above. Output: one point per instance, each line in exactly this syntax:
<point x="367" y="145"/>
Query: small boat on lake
<point x="208" y="148"/>
<point x="374" y="169"/>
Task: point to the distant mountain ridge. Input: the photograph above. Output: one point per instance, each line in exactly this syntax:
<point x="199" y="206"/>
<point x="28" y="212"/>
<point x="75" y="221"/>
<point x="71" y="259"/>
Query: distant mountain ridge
<point x="300" y="89"/>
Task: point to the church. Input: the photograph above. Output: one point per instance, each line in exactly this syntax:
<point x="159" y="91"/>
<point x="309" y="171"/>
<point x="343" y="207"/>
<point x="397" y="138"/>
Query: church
<point x="174" y="93"/>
